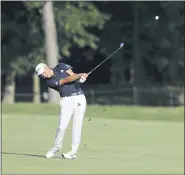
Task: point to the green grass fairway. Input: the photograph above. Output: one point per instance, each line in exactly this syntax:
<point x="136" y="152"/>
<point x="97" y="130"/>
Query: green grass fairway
<point x="109" y="145"/>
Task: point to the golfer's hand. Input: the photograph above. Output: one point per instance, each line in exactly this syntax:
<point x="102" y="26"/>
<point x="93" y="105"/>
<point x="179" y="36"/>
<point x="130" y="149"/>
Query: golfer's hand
<point x="83" y="77"/>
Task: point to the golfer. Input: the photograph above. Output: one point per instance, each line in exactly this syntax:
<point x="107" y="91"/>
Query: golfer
<point x="73" y="104"/>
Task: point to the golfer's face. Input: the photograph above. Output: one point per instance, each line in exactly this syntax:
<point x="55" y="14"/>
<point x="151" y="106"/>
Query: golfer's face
<point x="47" y="72"/>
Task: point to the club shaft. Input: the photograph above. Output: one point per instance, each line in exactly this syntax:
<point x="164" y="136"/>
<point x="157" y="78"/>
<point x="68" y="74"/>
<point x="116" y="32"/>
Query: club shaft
<point x="103" y="61"/>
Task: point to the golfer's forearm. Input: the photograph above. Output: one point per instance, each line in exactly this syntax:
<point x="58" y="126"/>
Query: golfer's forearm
<point x="70" y="72"/>
<point x="69" y="79"/>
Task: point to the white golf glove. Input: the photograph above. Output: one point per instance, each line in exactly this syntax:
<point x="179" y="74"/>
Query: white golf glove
<point x="82" y="80"/>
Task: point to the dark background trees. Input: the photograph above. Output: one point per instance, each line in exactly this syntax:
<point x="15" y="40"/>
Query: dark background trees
<point x="87" y="32"/>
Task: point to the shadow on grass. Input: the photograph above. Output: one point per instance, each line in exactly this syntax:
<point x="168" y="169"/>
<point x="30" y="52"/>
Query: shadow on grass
<point x="28" y="155"/>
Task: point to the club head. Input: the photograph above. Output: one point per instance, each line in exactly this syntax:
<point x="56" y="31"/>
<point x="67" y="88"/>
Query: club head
<point x="121" y="45"/>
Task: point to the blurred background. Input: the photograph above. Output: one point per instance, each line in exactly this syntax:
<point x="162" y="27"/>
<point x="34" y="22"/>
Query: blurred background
<point x="149" y="70"/>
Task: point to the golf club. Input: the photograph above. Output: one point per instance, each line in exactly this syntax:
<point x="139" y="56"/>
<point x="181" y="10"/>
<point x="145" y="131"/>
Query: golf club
<point x="121" y="45"/>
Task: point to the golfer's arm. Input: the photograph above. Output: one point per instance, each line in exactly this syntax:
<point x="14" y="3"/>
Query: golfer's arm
<point x="69" y="79"/>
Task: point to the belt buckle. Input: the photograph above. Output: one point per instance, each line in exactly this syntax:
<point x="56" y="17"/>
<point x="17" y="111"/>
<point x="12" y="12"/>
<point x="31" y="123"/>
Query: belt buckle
<point x="74" y="94"/>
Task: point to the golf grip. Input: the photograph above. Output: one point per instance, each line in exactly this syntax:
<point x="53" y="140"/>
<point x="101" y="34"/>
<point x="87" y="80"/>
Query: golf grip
<point x="103" y="61"/>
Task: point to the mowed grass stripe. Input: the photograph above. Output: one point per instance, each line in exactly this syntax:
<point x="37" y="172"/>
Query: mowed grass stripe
<point x="116" y="112"/>
<point x="108" y="146"/>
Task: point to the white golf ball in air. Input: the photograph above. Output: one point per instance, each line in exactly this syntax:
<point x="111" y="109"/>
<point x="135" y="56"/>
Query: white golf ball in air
<point x="121" y="44"/>
<point x="156" y="17"/>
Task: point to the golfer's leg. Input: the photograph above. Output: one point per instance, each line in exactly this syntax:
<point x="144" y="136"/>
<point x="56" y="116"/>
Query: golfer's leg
<point x="78" y="122"/>
<point x="65" y="116"/>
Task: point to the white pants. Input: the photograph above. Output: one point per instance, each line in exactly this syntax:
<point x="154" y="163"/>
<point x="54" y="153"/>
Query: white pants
<point x="71" y="107"/>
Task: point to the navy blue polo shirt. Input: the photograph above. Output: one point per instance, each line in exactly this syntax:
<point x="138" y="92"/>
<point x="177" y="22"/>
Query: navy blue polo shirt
<point x="59" y="73"/>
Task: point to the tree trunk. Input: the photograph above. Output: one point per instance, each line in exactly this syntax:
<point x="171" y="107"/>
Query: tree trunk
<point x="139" y="71"/>
<point x="117" y="69"/>
<point x="9" y="93"/>
<point x="50" y="44"/>
<point x="36" y="89"/>
<point x="174" y="63"/>
<point x="174" y="67"/>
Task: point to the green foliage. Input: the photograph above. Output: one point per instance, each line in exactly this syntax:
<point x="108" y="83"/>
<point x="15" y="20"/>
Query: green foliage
<point x="30" y="5"/>
<point x="166" y="33"/>
<point x="22" y="42"/>
<point x="161" y="41"/>
<point x="74" y="19"/>
<point x="175" y="33"/>
<point x="164" y="46"/>
<point x="25" y="47"/>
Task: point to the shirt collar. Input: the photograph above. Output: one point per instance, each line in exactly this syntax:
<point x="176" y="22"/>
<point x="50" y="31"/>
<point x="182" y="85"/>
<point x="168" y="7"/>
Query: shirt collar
<point x="55" y="73"/>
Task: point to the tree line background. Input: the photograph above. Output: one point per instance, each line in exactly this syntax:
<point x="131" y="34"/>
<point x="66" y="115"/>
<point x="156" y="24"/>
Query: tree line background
<point x="82" y="34"/>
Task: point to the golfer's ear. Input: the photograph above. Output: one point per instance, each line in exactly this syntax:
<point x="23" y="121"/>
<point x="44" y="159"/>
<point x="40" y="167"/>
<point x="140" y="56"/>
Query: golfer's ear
<point x="70" y="72"/>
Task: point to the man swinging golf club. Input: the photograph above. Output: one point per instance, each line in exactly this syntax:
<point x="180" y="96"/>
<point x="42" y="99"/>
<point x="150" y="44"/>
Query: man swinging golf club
<point x="73" y="103"/>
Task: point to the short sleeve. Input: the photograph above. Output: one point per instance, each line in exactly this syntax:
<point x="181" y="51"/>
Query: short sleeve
<point x="64" y="67"/>
<point x="52" y="83"/>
